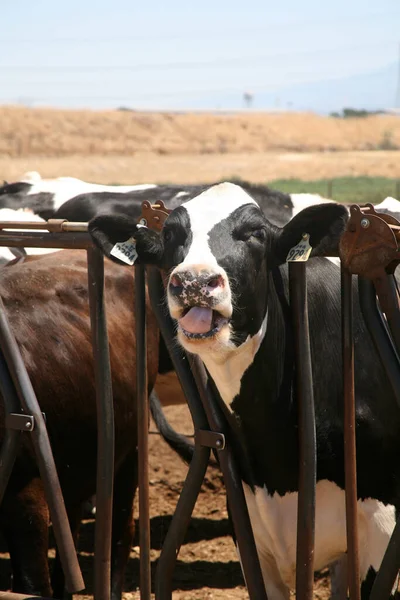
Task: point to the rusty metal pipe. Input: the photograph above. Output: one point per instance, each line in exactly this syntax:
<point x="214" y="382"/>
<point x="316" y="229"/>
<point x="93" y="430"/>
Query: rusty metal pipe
<point x="14" y="596"/>
<point x="180" y="520"/>
<point x="389" y="301"/>
<point x="178" y="357"/>
<point x="50" y="225"/>
<point x="390" y="565"/>
<point x="386" y="576"/>
<point x="307" y="435"/>
<point x="105" y="426"/>
<point x="42" y="447"/>
<point x="377" y="329"/>
<point x="234" y="487"/>
<point x="143" y="432"/>
<point x="350" y="461"/>
<point x="36" y="239"/>
<point x="12" y="437"/>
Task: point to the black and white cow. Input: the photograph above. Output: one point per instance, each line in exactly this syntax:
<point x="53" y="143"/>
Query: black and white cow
<point x="228" y="292"/>
<point x="45" y="196"/>
<point x="277" y="205"/>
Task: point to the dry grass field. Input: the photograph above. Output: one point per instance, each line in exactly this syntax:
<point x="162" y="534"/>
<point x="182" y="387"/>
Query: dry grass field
<point x="51" y="132"/>
<point x="132" y="147"/>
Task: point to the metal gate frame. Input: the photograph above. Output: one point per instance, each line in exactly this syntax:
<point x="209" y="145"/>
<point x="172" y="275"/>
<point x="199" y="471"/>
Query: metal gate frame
<point x="212" y="430"/>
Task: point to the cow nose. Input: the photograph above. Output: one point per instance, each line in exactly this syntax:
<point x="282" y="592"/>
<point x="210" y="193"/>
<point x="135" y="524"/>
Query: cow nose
<point x="191" y="282"/>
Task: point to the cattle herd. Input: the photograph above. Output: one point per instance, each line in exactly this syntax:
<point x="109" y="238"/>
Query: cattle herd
<point x="223" y="248"/>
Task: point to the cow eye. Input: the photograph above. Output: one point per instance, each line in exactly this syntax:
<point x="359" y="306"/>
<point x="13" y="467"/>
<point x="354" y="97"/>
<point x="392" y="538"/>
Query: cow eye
<point x="259" y="234"/>
<point x="251" y="234"/>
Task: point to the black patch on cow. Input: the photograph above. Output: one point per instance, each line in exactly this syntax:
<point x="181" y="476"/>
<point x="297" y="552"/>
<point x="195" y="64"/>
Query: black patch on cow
<point x="176" y="238"/>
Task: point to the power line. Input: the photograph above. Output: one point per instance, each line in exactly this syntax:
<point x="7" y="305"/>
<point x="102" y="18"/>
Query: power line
<point x="397" y="101"/>
<point x="190" y="34"/>
<point x="226" y="62"/>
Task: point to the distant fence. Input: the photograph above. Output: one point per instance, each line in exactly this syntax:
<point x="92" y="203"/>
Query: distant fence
<point x="349" y="190"/>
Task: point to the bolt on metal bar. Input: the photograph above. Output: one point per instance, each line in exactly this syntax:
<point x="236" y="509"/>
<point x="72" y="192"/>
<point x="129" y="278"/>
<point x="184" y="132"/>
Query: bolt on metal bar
<point x="386" y="576"/>
<point x="41" y="443"/>
<point x="143" y="432"/>
<point x="105" y="426"/>
<point x="307" y="435"/>
<point x="353" y="570"/>
<point x="234" y="487"/>
<point x="12" y="437"/>
<point x="198" y="466"/>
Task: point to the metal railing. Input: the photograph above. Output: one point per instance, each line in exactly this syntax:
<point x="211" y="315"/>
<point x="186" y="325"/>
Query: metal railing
<point x="213" y="428"/>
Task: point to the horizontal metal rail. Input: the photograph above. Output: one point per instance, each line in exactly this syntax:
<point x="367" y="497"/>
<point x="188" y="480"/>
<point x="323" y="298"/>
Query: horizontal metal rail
<point x="52" y="225"/>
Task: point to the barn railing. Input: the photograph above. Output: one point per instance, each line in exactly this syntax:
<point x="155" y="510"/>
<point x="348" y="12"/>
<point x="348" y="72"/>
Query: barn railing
<point x="212" y="428"/>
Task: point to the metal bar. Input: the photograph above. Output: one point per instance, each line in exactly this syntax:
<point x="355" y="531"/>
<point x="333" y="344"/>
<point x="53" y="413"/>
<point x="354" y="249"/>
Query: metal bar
<point x="234" y="488"/>
<point x="386" y="576"/>
<point x="46" y="240"/>
<point x="49" y="225"/>
<point x="191" y="488"/>
<point x="143" y="432"/>
<point x="386" y="290"/>
<point x="389" y="568"/>
<point x="178" y="357"/>
<point x="14" y="596"/>
<point x="350" y="460"/>
<point x="307" y="436"/>
<point x="180" y="522"/>
<point x="105" y="426"/>
<point x="232" y="480"/>
<point x="42" y="447"/>
<point x="12" y="437"/>
<point x="377" y="329"/>
<point x="338" y="573"/>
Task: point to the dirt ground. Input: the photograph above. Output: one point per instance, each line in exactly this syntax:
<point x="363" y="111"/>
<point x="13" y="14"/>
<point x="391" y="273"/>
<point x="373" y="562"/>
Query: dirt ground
<point x="207" y="567"/>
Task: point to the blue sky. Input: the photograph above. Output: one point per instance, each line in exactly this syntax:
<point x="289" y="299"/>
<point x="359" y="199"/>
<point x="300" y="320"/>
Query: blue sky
<point x="177" y="54"/>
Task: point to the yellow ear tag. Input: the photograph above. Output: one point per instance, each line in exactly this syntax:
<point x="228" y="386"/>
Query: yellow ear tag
<point x="300" y="252"/>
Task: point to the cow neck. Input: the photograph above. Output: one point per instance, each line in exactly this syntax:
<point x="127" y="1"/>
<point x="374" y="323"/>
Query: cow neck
<point x="264" y="408"/>
<point x="227" y="368"/>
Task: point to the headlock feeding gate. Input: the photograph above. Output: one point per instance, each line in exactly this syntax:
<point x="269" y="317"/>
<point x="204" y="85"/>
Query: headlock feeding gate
<point x="369" y="248"/>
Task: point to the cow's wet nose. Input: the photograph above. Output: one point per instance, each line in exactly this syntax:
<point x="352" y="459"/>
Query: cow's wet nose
<point x="191" y="283"/>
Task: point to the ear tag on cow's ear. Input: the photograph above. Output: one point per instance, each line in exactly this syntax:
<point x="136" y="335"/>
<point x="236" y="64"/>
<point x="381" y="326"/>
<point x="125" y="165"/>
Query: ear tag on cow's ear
<point x="125" y="251"/>
<point x="300" y="252"/>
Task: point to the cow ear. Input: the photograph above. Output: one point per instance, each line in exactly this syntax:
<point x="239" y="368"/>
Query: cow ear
<point x="109" y="230"/>
<point x="324" y="223"/>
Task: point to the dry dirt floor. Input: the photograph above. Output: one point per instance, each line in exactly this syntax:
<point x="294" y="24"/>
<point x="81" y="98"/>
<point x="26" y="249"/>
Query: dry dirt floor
<point x="207" y="566"/>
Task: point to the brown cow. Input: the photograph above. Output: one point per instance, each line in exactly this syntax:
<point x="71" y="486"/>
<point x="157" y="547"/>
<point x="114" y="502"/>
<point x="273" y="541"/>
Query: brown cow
<point x="47" y="305"/>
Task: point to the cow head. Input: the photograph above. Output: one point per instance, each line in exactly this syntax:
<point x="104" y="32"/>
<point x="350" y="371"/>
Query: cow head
<point x="217" y="250"/>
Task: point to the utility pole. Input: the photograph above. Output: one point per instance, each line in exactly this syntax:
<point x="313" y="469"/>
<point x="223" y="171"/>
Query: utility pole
<point x="397" y="100"/>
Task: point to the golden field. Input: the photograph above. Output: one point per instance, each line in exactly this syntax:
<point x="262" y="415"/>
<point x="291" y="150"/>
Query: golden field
<point x="132" y="147"/>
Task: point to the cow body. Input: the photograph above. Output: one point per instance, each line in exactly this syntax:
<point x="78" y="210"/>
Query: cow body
<point x="228" y="292"/>
<point x="46" y="302"/>
<point x="45" y="196"/>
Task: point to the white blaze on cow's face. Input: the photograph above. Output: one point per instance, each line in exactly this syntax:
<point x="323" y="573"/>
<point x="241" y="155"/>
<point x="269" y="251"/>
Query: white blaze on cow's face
<point x="211" y="251"/>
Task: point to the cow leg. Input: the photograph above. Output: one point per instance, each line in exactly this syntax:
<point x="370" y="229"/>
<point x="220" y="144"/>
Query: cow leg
<point x="74" y="512"/>
<point x="125" y="484"/>
<point x="25" y="522"/>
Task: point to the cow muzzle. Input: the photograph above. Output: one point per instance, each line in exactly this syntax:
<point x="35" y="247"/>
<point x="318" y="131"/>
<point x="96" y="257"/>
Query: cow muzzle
<point x="199" y="299"/>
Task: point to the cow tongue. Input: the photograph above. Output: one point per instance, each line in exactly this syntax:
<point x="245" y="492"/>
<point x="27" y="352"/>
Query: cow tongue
<point x="197" y="320"/>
